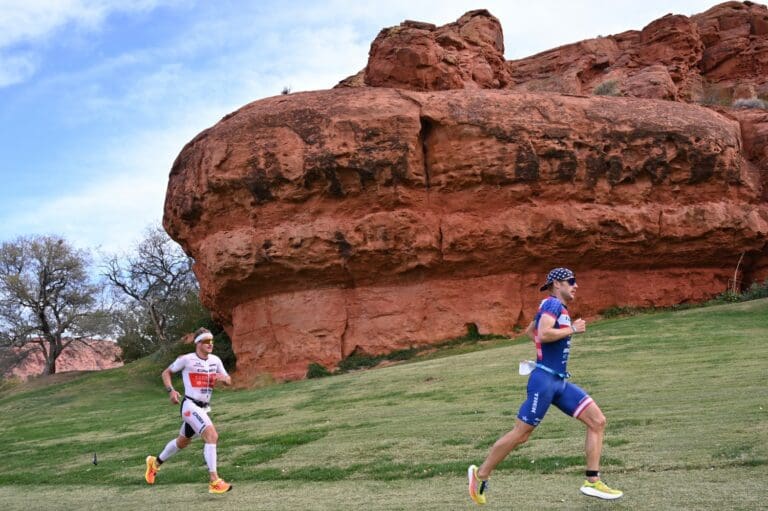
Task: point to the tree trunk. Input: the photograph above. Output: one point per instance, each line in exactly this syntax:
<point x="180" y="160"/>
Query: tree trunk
<point x="156" y="323"/>
<point x="50" y="366"/>
<point x="54" y="350"/>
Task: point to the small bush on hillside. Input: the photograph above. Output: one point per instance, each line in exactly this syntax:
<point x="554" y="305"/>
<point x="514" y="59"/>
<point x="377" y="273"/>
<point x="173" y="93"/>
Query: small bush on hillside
<point x="755" y="291"/>
<point x="405" y="354"/>
<point x="750" y="103"/>
<point x="359" y="361"/>
<point x="727" y="297"/>
<point x="315" y="370"/>
<point x="607" y="88"/>
<point x="472" y="331"/>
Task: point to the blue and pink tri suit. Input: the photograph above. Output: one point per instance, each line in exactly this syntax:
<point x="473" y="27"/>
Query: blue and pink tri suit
<point x="547" y="383"/>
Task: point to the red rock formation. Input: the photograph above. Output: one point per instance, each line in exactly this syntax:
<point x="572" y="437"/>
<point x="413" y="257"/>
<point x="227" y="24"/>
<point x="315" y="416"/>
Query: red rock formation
<point x="366" y="219"/>
<point x="467" y="54"/>
<point x="95" y="356"/>
<point x="735" y="36"/>
<point x="373" y="219"/>
<point x="657" y="62"/>
<point x="701" y="58"/>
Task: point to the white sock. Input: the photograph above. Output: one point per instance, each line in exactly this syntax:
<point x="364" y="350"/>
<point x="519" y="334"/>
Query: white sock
<point x="209" y="453"/>
<point x="170" y="449"/>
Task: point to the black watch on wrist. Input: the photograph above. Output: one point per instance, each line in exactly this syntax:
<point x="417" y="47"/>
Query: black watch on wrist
<point x="169" y="389"/>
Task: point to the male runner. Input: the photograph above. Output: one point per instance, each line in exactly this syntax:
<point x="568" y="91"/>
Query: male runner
<point x="200" y="371"/>
<point x="551" y="330"/>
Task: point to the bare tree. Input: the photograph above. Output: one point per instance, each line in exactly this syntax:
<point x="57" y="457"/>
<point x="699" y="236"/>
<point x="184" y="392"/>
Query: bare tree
<point x="154" y="280"/>
<point x="46" y="297"/>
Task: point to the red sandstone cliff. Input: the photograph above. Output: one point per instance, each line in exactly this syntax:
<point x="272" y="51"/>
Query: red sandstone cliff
<point x="94" y="355"/>
<point x="432" y="190"/>
<point x="708" y="57"/>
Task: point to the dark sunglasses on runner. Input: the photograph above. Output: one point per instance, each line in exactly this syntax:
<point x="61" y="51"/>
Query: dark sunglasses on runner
<point x="571" y="281"/>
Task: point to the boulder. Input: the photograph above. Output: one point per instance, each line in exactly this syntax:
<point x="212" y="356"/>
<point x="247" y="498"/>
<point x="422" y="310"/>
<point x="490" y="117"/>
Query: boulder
<point x="365" y="220"/>
<point x="467" y="54"/>
<point x="434" y="189"/>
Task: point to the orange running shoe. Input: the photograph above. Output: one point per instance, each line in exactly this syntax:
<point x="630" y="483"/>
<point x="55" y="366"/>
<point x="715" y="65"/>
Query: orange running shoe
<point x="219" y="486"/>
<point x="152" y="468"/>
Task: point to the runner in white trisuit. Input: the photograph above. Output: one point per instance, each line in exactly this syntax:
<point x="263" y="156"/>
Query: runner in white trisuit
<point x="200" y="371"/>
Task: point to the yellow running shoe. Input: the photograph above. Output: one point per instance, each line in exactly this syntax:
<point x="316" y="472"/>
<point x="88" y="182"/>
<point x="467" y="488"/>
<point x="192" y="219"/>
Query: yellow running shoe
<point x="152" y="468"/>
<point x="600" y="490"/>
<point x="219" y="486"/>
<point x="477" y="488"/>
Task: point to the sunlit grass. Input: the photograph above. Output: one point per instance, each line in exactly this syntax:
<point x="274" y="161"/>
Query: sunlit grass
<point x="685" y="394"/>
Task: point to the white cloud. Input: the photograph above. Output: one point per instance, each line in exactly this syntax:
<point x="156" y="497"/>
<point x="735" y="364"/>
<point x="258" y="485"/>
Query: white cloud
<point x="31" y="24"/>
<point x="16" y="68"/>
<point x="33" y="20"/>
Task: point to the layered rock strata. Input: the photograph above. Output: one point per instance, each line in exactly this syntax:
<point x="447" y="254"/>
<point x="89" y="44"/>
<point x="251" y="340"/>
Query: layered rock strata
<point x="365" y="220"/>
<point x="436" y="187"/>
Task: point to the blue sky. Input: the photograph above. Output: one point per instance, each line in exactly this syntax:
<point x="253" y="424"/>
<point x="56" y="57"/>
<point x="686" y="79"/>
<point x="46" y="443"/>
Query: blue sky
<point x="97" y="97"/>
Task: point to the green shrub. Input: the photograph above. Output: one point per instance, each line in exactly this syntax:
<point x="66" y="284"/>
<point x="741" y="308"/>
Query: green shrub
<point x="404" y="354"/>
<point x="315" y="370"/>
<point x="728" y="297"/>
<point x="359" y="361"/>
<point x="472" y="331"/>
<point x="756" y="291"/>
<point x="607" y="88"/>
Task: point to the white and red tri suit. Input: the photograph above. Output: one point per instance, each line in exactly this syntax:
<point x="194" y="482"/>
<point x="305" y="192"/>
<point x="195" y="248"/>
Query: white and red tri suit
<point x="199" y="376"/>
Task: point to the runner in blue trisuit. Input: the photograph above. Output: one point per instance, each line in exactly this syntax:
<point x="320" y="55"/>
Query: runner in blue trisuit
<point x="551" y="330"/>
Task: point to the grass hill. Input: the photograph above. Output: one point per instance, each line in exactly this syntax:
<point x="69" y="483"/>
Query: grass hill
<point x="685" y="393"/>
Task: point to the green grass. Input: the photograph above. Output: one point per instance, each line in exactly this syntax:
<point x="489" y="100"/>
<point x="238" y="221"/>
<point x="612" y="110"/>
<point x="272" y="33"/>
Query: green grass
<point x="685" y="393"/>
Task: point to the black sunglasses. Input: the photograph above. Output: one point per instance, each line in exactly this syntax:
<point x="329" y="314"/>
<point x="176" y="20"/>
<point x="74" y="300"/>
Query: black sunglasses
<point x="571" y="281"/>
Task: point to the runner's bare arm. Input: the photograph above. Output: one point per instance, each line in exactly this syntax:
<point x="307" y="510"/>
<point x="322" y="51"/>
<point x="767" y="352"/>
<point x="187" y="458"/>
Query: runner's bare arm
<point x="548" y="332"/>
<point x="173" y="394"/>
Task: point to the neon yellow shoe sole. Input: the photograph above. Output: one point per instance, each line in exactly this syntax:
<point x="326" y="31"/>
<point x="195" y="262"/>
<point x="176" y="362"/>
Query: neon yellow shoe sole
<point x="600" y="490"/>
<point x="476" y="486"/>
